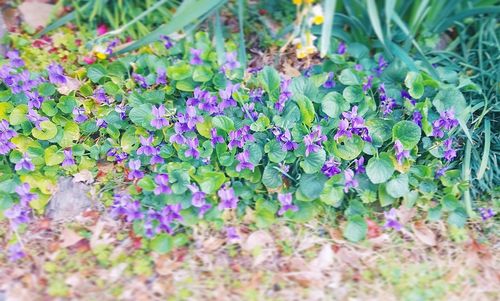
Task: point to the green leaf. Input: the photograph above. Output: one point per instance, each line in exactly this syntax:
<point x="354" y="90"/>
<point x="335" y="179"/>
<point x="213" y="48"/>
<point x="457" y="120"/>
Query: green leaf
<point x="270" y="81"/>
<point x="261" y="124"/>
<point x="306" y="108"/>
<point x="380" y="169"/>
<point x="272" y="177"/>
<point x="71" y="134"/>
<point x="224" y="123"/>
<point x="162" y="243"/>
<point x="353" y="94"/>
<point x="333" y="104"/>
<point x="202" y="74"/>
<point x="311" y="185"/>
<point x="398" y="187"/>
<point x="180" y="71"/>
<point x="46" y="89"/>
<point x="96" y="72"/>
<point x="313" y="162"/>
<point x="147" y="183"/>
<point x="356" y="228"/>
<point x="380" y="130"/>
<point x="205" y="127"/>
<point x="49" y="130"/>
<point x="210" y="181"/>
<point x="407" y="132"/>
<point x="375" y="20"/>
<point x="326" y="28"/>
<point x="348" y="149"/>
<point x="458" y="218"/>
<point x="274" y="151"/>
<point x="333" y="193"/>
<point x="141" y="115"/>
<point x="18" y="114"/>
<point x="49" y="108"/>
<point x="52" y="156"/>
<point x="66" y="104"/>
<point x="347" y="77"/>
<point x="414" y="83"/>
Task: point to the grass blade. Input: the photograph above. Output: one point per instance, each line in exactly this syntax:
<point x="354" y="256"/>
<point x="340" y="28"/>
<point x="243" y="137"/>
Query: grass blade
<point x="189" y="12"/>
<point x="242" y="56"/>
<point x="466" y="177"/>
<point x="486" y="151"/>
<point x="375" y="20"/>
<point x="219" y="39"/>
<point x="326" y="29"/>
<point x="447" y="22"/>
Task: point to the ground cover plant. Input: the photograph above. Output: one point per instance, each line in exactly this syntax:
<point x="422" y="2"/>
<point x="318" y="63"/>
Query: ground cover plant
<point x="188" y="141"/>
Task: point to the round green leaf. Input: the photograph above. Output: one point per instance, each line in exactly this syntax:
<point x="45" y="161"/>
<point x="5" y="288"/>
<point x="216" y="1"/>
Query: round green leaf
<point x="274" y="151"/>
<point x="224" y="123"/>
<point x="52" y="156"/>
<point x="272" y="177"/>
<point x="347" y="77"/>
<point x="141" y="115"/>
<point x="313" y="162"/>
<point x="348" y="149"/>
<point x="18" y="114"/>
<point x="356" y="228"/>
<point x="407" y="132"/>
<point x="333" y="104"/>
<point x="380" y="169"/>
<point x="71" y="133"/>
<point x="398" y="187"/>
<point x="49" y="131"/>
<point x="311" y="185"/>
<point x="162" y="243"/>
<point x="353" y="94"/>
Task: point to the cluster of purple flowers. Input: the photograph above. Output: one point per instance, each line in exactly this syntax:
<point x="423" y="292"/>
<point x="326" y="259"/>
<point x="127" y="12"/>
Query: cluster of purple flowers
<point x="140" y="80"/>
<point x="331" y="167"/>
<point x="387" y="104"/>
<point x="149" y="150"/>
<point x="244" y="163"/>
<point x="352" y="124"/>
<point x="368" y="83"/>
<point x="205" y="101"/>
<point x="199" y="199"/>
<point x="226" y="95"/>
<point x="186" y="123"/>
<point x="68" y="158"/>
<point x="313" y="140"/>
<point x="285" y="95"/>
<point x="162" y="184"/>
<point x="6" y="133"/>
<point x="20" y="213"/>
<point x="446" y="121"/>
<point x="79" y="115"/>
<point x="417" y="118"/>
<point x="391" y="220"/>
<point x="101" y="97"/>
<point x="135" y="173"/>
<point x="228" y="199"/>
<point x="486" y="213"/>
<point x="238" y="138"/>
<point x="231" y="62"/>
<point x="119" y="156"/>
<point x="284" y="137"/>
<point x="449" y="152"/>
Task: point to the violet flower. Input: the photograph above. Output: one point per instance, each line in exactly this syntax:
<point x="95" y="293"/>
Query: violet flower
<point x="195" y="56"/>
<point x="25" y="195"/>
<point x="445" y="121"/>
<point x="214" y="138"/>
<point x="162" y="183"/>
<point x="486" y="213"/>
<point x="387" y="104"/>
<point x="79" y="115"/>
<point x="167" y="41"/>
<point x="100" y="96"/>
<point x="238" y="138"/>
<point x="381" y="65"/>
<point x="440" y="172"/>
<point x="368" y="84"/>
<point x="391" y="220"/>
<point x="6" y="132"/>
<point x="256" y="94"/>
<point x="120" y="201"/>
<point x="17" y="215"/>
<point x="133" y="211"/>
<point x="227" y="96"/>
<point x="140" y="80"/>
<point x="350" y="181"/>
<point x="341" y="49"/>
<point x="285" y="95"/>
<point x="146" y="147"/>
<point x="15" y="252"/>
<point x="406" y="95"/>
<point x="314" y="140"/>
<point x="231" y="62"/>
<point x="68" y="158"/>
<point x="244" y="162"/>
<point x="285" y="200"/>
<point x="192" y="150"/>
<point x="159" y="121"/>
<point x="285" y="139"/>
<point x="15" y="60"/>
<point x="56" y="74"/>
<point x="417" y="118"/>
<point x="352" y="124"/>
<point x="331" y="167"/>
<point x="359" y="165"/>
<point x="329" y="83"/>
<point x="228" y="199"/>
<point x="232" y="234"/>
<point x="161" y="76"/>
<point x="449" y="152"/>
<point x="35" y="118"/>
<point x="25" y="163"/>
<point x="401" y="154"/>
<point x="101" y="123"/>
<point x="135" y="173"/>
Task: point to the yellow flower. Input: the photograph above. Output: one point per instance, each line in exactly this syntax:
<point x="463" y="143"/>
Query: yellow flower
<point x="318" y="17"/>
<point x="100" y="55"/>
<point x="297" y="2"/>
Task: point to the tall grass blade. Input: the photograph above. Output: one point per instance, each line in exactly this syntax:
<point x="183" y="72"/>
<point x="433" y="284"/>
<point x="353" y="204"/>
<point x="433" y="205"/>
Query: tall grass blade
<point x="375" y="20"/>
<point x="486" y="150"/>
<point x="447" y="22"/>
<point x="466" y="177"/>
<point x="242" y="55"/>
<point x="326" y="29"/>
<point x="219" y="39"/>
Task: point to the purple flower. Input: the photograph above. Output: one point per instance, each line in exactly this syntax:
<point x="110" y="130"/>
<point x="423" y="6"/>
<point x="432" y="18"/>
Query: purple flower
<point x="167" y="41"/>
<point x="195" y="56"/>
<point x="120" y="201"/>
<point x="445" y="121"/>
<point x="401" y="154"/>
<point x="162" y="187"/>
<point x="15" y="252"/>
<point x="35" y="118"/>
<point x="25" y="163"/>
<point x="100" y="96"/>
<point x="381" y="65"/>
<point x="350" y="181"/>
<point x="313" y="140"/>
<point x="341" y="48"/>
<point x="178" y="137"/>
<point x="161" y="76"/>
<point x="111" y="46"/>
<point x="231" y="62"/>
<point x="285" y="139"/>
<point x="135" y="173"/>
<point x="449" y="152"/>
<point x="285" y="95"/>
<point x="6" y="146"/>
<point x="68" y="158"/>
<point x="25" y="196"/>
<point x="146" y="147"/>
<point x="35" y="100"/>
<point x="285" y="200"/>
<point x="368" y="84"/>
<point x="358" y="67"/>
<point x="331" y="167"/>
<point x="486" y="213"/>
<point x="101" y="123"/>
<point x="232" y="234"/>
<point x="150" y="230"/>
<point x="352" y="124"/>
<point x="56" y="74"/>
<point x="17" y="215"/>
<point x="387" y="104"/>
<point x="359" y="166"/>
<point x="256" y="94"/>
<point x="122" y="110"/>
<point x="440" y="171"/>
<point x="406" y="95"/>
<point x="15" y="60"/>
<point x="79" y="115"/>
<point x="329" y="83"/>
<point x="227" y="96"/>
<point x="192" y="150"/>
<point x="214" y="138"/>
<point x="6" y="132"/>
<point x="244" y="162"/>
<point x="140" y="80"/>
<point x="198" y="198"/>
<point x="159" y="121"/>
<point x="133" y="211"/>
<point x="417" y="118"/>
<point x="391" y="220"/>
<point x="228" y="200"/>
<point x="169" y="214"/>
<point x="343" y="130"/>
<point x="238" y="138"/>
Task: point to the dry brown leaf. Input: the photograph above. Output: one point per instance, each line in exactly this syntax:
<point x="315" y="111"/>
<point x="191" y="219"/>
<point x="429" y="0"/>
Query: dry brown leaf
<point x="69" y="238"/>
<point x="324" y="259"/>
<point x="71" y="85"/>
<point x="36" y="14"/>
<point x="424" y="234"/>
<point x="257" y="239"/>
<point x="84" y="176"/>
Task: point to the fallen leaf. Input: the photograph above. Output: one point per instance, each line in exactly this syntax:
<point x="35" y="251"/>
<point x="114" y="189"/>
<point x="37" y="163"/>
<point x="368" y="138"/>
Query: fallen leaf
<point x="84" y="176"/>
<point x="36" y="14"/>
<point x="257" y="239"/>
<point x="324" y="259"/>
<point x="69" y="238"/>
<point x="71" y="85"/>
<point x="424" y="234"/>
